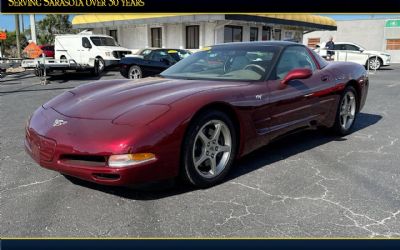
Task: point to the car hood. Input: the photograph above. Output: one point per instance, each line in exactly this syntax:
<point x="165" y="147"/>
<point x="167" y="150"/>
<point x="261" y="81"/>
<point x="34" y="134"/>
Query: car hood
<point x="106" y="100"/>
<point x="374" y="52"/>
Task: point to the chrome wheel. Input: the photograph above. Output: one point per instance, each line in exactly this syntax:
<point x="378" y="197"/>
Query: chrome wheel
<point x="212" y="149"/>
<point x="374" y="63"/>
<point x="347" y="110"/>
<point x="135" y="72"/>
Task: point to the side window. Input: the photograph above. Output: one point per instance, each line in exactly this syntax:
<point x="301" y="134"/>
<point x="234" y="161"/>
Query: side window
<point x="352" y="47"/>
<point x="85" y="42"/>
<point x="158" y="55"/>
<point x="294" y="57"/>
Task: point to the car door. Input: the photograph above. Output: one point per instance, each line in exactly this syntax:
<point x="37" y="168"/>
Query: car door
<point x="295" y="104"/>
<point x="159" y="60"/>
<point x="354" y="54"/>
<point x="85" y="51"/>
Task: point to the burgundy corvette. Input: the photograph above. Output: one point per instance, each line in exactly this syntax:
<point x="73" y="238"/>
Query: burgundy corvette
<point x="197" y="117"/>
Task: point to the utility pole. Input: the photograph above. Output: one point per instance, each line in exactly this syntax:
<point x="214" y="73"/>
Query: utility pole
<point x="17" y="36"/>
<point x="33" y="27"/>
<point x="22" y="24"/>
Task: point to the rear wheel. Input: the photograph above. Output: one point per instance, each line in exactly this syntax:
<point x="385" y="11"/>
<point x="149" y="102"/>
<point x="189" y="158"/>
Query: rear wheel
<point x="135" y="72"/>
<point x="209" y="149"/>
<point x="346" y="112"/>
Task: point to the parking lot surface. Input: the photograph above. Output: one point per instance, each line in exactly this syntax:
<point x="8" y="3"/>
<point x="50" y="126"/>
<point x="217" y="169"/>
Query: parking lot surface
<point x="306" y="185"/>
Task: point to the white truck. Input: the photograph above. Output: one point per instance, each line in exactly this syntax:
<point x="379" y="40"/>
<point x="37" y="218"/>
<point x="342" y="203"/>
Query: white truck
<point x="83" y="51"/>
<point x="352" y="52"/>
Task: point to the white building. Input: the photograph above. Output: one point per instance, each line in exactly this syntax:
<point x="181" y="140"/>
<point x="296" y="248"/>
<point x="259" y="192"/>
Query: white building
<point x="195" y="31"/>
<point x="372" y="34"/>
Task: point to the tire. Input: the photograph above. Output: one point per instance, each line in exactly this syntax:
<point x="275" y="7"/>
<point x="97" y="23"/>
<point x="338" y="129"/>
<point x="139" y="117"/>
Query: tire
<point x="135" y="72"/>
<point x="346" y="113"/>
<point x="207" y="157"/>
<point x="374" y="63"/>
<point x="101" y="65"/>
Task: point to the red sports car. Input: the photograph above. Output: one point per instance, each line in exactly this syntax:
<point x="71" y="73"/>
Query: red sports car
<point x="197" y="117"/>
<point x="48" y="50"/>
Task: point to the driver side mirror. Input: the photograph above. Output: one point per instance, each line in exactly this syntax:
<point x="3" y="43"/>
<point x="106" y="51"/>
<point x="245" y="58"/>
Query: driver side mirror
<point x="294" y="74"/>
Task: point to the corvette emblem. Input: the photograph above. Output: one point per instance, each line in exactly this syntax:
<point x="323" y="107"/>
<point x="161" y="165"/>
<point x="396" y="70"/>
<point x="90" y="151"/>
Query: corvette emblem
<point x="58" y="122"/>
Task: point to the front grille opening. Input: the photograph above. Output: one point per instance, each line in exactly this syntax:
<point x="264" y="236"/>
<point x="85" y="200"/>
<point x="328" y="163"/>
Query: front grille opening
<point x="84" y="160"/>
<point x="106" y="176"/>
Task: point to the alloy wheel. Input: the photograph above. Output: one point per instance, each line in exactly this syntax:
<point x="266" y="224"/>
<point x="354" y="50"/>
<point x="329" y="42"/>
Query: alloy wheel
<point x="347" y="110"/>
<point x="212" y="149"/>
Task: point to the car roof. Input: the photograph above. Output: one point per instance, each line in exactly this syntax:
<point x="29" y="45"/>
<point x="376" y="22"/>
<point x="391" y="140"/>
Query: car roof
<point x="265" y="43"/>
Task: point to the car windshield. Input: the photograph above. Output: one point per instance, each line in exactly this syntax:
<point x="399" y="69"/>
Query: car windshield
<point x="103" y="41"/>
<point x="178" y="55"/>
<point x="225" y="63"/>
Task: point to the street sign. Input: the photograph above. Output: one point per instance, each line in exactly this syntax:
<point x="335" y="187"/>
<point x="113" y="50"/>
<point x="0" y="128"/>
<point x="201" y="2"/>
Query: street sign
<point x="392" y="23"/>
<point x="33" y="51"/>
<point x="3" y="35"/>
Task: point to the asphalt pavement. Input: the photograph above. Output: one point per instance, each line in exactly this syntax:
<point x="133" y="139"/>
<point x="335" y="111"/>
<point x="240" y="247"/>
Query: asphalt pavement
<point x="310" y="184"/>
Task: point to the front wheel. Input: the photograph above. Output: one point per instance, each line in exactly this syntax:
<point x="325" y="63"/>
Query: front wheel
<point x="135" y="72"/>
<point x="374" y="63"/>
<point x="209" y="149"/>
<point x="346" y="112"/>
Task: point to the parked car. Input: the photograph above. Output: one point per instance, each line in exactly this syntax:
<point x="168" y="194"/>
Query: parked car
<point x="351" y="52"/>
<point x="48" y="50"/>
<point x="150" y="62"/>
<point x="200" y="115"/>
<point x="85" y="46"/>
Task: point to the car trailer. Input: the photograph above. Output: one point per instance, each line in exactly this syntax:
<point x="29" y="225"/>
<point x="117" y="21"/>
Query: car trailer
<point x="43" y="66"/>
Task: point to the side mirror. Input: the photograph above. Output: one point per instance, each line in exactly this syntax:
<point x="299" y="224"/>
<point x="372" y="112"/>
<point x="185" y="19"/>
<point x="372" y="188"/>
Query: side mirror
<point x="294" y="74"/>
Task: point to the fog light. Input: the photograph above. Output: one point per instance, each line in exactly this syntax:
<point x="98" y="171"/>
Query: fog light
<point x="127" y="160"/>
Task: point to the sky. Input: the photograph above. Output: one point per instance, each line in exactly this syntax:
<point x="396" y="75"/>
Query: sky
<point x="7" y="21"/>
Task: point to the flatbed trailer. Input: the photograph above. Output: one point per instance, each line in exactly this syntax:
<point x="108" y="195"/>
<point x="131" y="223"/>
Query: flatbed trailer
<point x="43" y="65"/>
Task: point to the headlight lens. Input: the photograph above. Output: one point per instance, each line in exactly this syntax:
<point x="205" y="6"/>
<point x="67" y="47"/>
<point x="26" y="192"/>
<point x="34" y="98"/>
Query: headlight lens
<point x="126" y="160"/>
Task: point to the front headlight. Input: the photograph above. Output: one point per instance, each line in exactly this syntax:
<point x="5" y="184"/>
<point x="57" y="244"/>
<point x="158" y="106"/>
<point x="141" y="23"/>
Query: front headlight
<point x="127" y="160"/>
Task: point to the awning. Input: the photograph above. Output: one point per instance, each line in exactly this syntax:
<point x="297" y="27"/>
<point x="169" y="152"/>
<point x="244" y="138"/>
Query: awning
<point x="301" y="20"/>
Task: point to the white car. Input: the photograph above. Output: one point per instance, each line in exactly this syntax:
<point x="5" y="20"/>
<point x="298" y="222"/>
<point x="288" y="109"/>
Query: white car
<point x="85" y="46"/>
<point x="351" y="52"/>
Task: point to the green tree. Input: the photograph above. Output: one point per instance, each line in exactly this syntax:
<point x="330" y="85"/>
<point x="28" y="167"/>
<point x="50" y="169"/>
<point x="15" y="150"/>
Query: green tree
<point x="52" y="25"/>
<point x="10" y="43"/>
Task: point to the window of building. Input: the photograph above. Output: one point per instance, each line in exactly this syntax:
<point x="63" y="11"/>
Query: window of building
<point x="192" y="37"/>
<point x="313" y="42"/>
<point x="393" y="44"/>
<point x="277" y="34"/>
<point x="253" y="34"/>
<point x="114" y="34"/>
<point x="266" y="33"/>
<point x="156" y="37"/>
<point x="233" y="34"/>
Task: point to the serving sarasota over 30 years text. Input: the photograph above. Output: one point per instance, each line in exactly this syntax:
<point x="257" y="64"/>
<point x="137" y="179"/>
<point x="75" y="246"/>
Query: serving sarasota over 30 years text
<point x="75" y="3"/>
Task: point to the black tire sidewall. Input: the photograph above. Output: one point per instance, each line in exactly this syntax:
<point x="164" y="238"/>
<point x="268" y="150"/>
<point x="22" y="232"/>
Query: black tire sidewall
<point x="190" y="175"/>
<point x="337" y="126"/>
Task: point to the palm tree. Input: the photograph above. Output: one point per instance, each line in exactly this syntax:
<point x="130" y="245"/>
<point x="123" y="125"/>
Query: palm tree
<point x="52" y="25"/>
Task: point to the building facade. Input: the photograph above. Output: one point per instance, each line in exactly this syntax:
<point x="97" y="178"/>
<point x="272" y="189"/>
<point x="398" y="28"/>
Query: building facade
<point x="136" y="31"/>
<point x="373" y="34"/>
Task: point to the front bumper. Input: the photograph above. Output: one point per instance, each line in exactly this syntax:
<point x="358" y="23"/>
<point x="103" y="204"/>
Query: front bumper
<point x="71" y="148"/>
<point x="111" y="62"/>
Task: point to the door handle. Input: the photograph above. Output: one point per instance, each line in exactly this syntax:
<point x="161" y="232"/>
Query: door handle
<point x="324" y="78"/>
